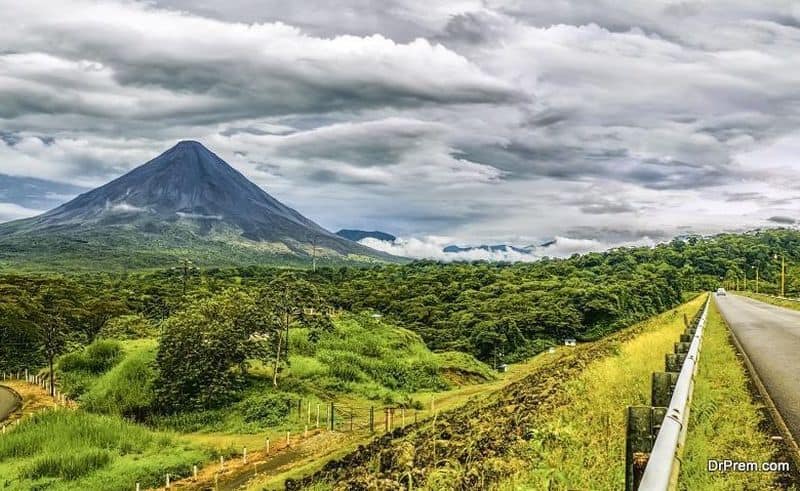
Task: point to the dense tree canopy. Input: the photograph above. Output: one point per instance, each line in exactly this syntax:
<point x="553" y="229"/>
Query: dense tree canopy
<point x="481" y="308"/>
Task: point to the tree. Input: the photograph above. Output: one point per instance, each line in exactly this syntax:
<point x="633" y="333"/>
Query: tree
<point x="288" y="301"/>
<point x="203" y="350"/>
<point x="51" y="320"/>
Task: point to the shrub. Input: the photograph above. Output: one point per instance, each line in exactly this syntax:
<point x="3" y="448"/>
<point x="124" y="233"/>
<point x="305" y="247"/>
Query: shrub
<point x="128" y="327"/>
<point x="102" y="355"/>
<point x="127" y="389"/>
<point x="68" y="465"/>
<point x="94" y="358"/>
<point x="269" y="408"/>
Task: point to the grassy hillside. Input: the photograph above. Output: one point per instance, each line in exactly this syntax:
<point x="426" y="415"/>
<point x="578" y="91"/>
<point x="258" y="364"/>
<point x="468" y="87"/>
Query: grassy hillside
<point x="122" y="248"/>
<point x="581" y="432"/>
<point x="362" y="359"/>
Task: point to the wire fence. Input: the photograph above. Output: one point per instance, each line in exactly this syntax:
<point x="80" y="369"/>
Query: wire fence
<point x="307" y="419"/>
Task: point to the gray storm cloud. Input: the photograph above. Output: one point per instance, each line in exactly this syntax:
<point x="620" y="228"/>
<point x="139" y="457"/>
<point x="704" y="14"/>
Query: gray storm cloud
<point x="480" y="120"/>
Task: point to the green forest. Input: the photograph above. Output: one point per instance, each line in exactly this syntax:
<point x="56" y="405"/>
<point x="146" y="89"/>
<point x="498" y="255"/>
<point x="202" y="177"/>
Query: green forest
<point x="234" y="350"/>
<point x="483" y="309"/>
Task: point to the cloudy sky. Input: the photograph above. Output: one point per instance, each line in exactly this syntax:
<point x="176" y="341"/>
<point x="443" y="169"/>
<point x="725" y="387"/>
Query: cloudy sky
<point x="466" y="121"/>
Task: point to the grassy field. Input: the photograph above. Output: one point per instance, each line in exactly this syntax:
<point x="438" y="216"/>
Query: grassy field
<point x="724" y="421"/>
<point x="580" y="440"/>
<point x="66" y="450"/>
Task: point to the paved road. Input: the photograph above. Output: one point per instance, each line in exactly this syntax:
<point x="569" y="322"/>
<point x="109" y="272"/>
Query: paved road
<point x="770" y="336"/>
<point x="8" y="403"/>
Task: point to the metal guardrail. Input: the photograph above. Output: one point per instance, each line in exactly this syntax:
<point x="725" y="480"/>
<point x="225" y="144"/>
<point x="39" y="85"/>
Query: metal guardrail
<point x="661" y="472"/>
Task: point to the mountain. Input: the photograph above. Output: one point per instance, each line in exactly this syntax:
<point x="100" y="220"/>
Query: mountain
<point x="454" y="249"/>
<point x="187" y="202"/>
<point x="356" y="235"/>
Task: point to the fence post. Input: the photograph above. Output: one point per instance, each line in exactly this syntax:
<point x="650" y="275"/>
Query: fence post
<point x="372" y="419"/>
<point x="317" y="425"/>
<point x="386" y="419"/>
<point x="333" y="417"/>
<point x="267" y="446"/>
<point x="244" y="455"/>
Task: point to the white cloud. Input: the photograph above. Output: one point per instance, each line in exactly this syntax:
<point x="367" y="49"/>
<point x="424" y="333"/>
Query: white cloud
<point x="11" y="211"/>
<point x="432" y="247"/>
<point x="487" y="121"/>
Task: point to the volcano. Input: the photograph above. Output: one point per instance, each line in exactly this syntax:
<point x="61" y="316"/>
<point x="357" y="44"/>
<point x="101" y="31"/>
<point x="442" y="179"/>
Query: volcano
<point x="187" y="202"/>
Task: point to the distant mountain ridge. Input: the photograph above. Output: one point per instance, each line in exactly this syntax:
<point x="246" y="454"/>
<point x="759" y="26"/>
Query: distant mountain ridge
<point x="357" y="235"/>
<point x="185" y="202"/>
<point x="528" y="249"/>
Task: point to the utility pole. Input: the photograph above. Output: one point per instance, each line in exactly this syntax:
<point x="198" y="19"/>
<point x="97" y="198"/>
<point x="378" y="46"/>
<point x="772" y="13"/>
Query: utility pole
<point x="756" y="279"/>
<point x="185" y="265"/>
<point x="783" y="275"/>
<point x="314" y="253"/>
<point x="314" y="256"/>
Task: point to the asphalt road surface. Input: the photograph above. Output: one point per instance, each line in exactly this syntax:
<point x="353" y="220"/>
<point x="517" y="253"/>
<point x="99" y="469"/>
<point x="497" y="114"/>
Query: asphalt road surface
<point x="8" y="403"/>
<point x="770" y="336"/>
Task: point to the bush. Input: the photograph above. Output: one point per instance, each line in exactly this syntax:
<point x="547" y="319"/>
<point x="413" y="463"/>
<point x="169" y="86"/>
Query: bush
<point x="128" y="327"/>
<point x="95" y="358"/>
<point x="127" y="389"/>
<point x="69" y="466"/>
<point x="270" y="408"/>
<point x="102" y="355"/>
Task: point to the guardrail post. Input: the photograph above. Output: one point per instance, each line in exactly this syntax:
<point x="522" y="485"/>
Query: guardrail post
<point x="663" y="385"/>
<point x="674" y="361"/>
<point x="642" y="425"/>
<point x="682" y="348"/>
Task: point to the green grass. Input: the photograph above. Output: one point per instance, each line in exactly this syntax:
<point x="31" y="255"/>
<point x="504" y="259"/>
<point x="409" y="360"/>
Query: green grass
<point x="724" y="421"/>
<point x="108" y="372"/>
<point x="127" y="388"/>
<point x="67" y="450"/>
<point x="363" y="360"/>
<point x="580" y="435"/>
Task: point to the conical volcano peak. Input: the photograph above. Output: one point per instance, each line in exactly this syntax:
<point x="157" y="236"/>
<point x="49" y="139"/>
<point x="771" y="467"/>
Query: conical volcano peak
<point x="191" y="193"/>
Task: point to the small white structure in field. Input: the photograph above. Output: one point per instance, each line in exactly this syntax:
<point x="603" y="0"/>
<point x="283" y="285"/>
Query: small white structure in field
<point x="551" y="350"/>
<point x="570" y="342"/>
<point x="502" y="368"/>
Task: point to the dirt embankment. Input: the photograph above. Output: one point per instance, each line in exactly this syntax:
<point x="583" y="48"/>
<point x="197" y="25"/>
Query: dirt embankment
<point x="466" y="448"/>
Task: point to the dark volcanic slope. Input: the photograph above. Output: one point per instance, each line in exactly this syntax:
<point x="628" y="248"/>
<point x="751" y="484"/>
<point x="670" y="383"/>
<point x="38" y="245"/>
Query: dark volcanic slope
<point x="185" y="188"/>
<point x="356" y="235"/>
<point x="187" y="181"/>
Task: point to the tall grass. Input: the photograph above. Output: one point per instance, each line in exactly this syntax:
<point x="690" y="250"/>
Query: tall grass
<point x="579" y="437"/>
<point x="724" y="421"/>
<point x="67" y="450"/>
<point x="126" y="389"/>
<point x="375" y="359"/>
